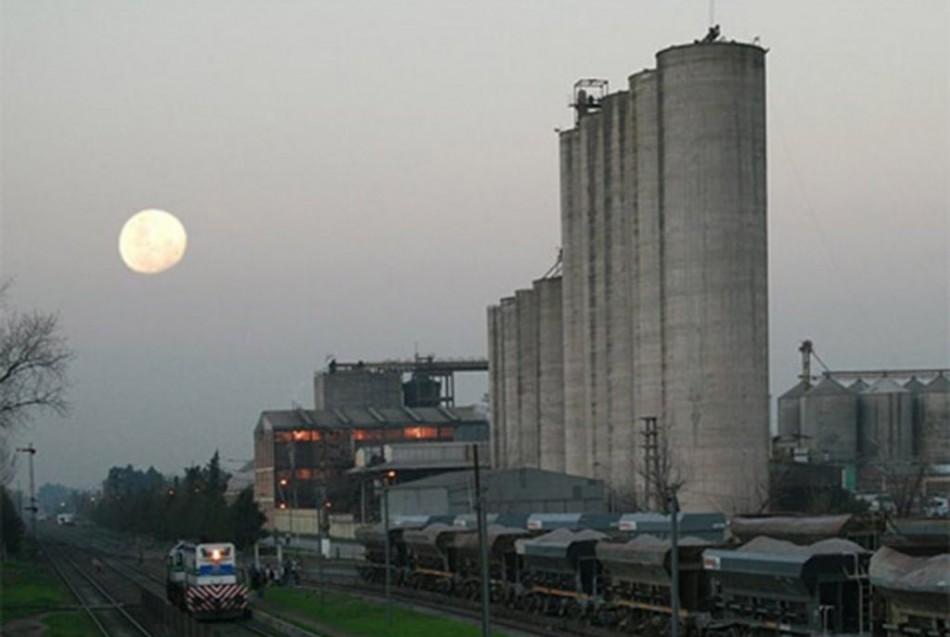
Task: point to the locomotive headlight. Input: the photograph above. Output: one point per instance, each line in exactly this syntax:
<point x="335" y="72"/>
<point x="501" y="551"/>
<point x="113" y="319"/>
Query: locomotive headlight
<point x="216" y="555"/>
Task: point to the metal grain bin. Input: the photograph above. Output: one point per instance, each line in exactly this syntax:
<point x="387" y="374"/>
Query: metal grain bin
<point x="790" y="412"/>
<point x="886" y="422"/>
<point x="933" y="402"/>
<point x="829" y="420"/>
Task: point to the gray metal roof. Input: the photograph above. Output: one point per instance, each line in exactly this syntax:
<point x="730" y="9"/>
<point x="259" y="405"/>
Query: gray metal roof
<point x="797" y="391"/>
<point x="940" y="384"/>
<point x="359" y="417"/>
<point x="885" y="385"/>
<point x="829" y="387"/>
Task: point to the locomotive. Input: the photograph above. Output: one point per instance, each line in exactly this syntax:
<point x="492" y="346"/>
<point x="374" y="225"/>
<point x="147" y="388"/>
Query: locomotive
<point x="202" y="580"/>
<point x="615" y="571"/>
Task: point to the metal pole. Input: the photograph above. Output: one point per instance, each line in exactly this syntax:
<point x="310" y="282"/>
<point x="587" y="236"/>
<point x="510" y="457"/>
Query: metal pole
<point x="30" y="449"/>
<point x="389" y="598"/>
<point x="321" y="528"/>
<point x="483" y="548"/>
<point x="674" y="565"/>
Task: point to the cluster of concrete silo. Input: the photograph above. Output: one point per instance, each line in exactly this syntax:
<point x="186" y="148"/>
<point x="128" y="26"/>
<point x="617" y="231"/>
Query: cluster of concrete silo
<point x="892" y="418"/>
<point x="661" y="307"/>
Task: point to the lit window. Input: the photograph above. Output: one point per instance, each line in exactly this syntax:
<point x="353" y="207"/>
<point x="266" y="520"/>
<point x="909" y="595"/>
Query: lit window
<point x="421" y="433"/>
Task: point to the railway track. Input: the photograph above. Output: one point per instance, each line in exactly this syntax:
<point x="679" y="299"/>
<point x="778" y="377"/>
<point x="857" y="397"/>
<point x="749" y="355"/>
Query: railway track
<point x="104" y="609"/>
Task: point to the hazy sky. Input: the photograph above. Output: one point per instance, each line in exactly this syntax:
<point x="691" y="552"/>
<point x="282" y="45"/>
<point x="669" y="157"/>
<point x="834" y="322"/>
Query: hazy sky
<point x="364" y="178"/>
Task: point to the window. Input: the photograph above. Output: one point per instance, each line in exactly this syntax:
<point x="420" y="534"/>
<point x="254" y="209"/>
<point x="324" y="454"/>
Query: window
<point x="420" y="433"/>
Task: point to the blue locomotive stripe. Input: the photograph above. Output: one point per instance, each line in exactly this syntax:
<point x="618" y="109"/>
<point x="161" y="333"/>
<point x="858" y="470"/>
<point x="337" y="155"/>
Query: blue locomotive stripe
<point x="220" y="569"/>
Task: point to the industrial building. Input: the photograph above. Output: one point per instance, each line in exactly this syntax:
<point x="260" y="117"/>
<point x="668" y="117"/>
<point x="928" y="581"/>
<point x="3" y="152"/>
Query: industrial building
<point x="504" y="491"/>
<point x="879" y="426"/>
<point x="365" y="413"/>
<point x="642" y="360"/>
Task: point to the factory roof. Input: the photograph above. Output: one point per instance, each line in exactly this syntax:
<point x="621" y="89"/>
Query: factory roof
<point x="346" y="418"/>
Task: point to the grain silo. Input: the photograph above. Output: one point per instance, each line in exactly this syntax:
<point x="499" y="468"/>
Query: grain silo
<point x="790" y="411"/>
<point x="664" y="281"/>
<point x="829" y="422"/>
<point x="934" y="404"/>
<point x="886" y="422"/>
<point x="551" y="373"/>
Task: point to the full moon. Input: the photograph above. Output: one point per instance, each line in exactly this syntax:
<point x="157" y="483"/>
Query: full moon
<point x="152" y="241"/>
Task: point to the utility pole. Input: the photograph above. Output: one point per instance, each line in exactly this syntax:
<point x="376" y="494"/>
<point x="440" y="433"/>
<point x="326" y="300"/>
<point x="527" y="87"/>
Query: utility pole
<point x="389" y="595"/>
<point x="674" y="564"/>
<point x="651" y="462"/>
<point x="483" y="547"/>
<point x="30" y="449"/>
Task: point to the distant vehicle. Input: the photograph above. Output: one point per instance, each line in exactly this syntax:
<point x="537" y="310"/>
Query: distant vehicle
<point x="878" y="502"/>
<point x="937" y="507"/>
<point x="65" y="519"/>
<point x="202" y="580"/>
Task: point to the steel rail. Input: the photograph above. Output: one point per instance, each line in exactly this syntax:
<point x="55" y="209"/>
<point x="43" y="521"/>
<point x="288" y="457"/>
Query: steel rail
<point x="56" y="559"/>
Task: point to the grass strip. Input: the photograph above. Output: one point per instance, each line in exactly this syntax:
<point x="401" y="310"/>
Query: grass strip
<point x="356" y="617"/>
<point x="70" y="625"/>
<point x="29" y="587"/>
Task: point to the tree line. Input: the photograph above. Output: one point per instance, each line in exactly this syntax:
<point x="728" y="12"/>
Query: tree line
<point x="191" y="506"/>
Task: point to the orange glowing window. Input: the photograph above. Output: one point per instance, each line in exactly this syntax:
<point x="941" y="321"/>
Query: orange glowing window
<point x="300" y="435"/>
<point x="447" y="433"/>
<point x="420" y="433"/>
<point x="282" y="436"/>
<point x="304" y="474"/>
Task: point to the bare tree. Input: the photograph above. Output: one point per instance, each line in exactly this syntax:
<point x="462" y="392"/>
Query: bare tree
<point x="34" y="358"/>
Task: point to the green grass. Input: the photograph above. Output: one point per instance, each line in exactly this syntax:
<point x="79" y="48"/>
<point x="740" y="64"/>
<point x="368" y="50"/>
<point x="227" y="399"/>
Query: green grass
<point x="357" y="617"/>
<point x="70" y="625"/>
<point x="29" y="589"/>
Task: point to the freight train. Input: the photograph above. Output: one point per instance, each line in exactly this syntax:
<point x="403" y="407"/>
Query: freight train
<point x="202" y="580"/>
<point x="812" y="576"/>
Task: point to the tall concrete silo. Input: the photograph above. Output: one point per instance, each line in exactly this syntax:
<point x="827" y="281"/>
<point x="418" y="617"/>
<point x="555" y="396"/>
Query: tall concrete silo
<point x="574" y="250"/>
<point x="829" y="422"/>
<point x="496" y="385"/>
<point x="509" y="362"/>
<point x="934" y="403"/>
<point x="551" y="373"/>
<point x="713" y="277"/>
<point x="664" y="297"/>
<point x="528" y="350"/>
<point x="886" y="422"/>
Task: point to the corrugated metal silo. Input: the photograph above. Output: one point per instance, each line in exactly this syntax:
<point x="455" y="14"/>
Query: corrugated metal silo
<point x="790" y="411"/>
<point x="829" y="422"/>
<point x="551" y="373"/>
<point x="886" y="429"/>
<point x="934" y="403"/>
<point x="714" y="282"/>
<point x="858" y="386"/>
